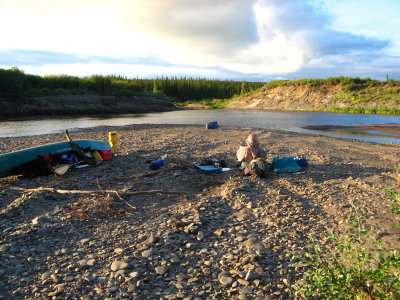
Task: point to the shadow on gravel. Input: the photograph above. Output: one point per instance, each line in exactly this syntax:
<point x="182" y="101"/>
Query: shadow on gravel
<point x="323" y="172"/>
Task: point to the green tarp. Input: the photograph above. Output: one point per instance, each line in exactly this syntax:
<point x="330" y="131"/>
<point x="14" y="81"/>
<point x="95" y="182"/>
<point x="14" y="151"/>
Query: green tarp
<point x="285" y="165"/>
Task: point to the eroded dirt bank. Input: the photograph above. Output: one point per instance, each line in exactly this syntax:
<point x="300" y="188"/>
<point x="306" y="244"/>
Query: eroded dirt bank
<point x="226" y="240"/>
<point x="308" y="97"/>
<point x="81" y="105"/>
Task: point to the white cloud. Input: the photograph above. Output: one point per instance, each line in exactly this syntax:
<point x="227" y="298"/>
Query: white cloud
<point x="244" y="36"/>
<point x="264" y="36"/>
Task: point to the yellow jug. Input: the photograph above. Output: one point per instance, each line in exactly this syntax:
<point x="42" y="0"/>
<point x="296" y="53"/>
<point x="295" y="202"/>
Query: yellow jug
<point x="112" y="140"/>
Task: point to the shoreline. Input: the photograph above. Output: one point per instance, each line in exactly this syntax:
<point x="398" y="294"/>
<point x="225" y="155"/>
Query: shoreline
<point x="393" y="129"/>
<point x="390" y="131"/>
<point x="385" y="128"/>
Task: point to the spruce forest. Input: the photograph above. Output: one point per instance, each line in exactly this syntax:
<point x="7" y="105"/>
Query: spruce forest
<point x="14" y="82"/>
<point x="349" y="95"/>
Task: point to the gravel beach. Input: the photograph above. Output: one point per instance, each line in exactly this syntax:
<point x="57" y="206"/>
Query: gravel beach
<point x="180" y="234"/>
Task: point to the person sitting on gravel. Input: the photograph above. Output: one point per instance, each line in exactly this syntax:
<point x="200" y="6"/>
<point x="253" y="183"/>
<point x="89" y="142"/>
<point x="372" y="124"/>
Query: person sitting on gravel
<point x="251" y="157"/>
<point x="251" y="151"/>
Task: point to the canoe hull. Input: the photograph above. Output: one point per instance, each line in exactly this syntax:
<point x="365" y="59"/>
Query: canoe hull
<point x="11" y="160"/>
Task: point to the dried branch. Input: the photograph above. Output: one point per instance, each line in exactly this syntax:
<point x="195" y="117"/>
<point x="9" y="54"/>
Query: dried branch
<point x="59" y="191"/>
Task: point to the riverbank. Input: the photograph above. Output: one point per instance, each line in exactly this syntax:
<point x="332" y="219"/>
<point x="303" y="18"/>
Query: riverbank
<point x="336" y="95"/>
<point x="83" y="105"/>
<point x="220" y="235"/>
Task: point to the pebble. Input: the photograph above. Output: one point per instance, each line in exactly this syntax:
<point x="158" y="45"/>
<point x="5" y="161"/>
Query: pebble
<point x="225" y="280"/>
<point x="45" y="276"/>
<point x="118" y="265"/>
<point x="148" y="253"/>
<point x="119" y="250"/>
<point x="4" y="248"/>
<point x="83" y="262"/>
<point x="161" y="270"/>
<point x="250" y="275"/>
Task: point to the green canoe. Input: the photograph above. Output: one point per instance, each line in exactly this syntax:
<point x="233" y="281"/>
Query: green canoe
<point x="12" y="160"/>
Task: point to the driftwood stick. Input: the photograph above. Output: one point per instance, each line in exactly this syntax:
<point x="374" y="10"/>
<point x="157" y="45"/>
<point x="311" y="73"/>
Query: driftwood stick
<point x="155" y="192"/>
<point x="59" y="191"/>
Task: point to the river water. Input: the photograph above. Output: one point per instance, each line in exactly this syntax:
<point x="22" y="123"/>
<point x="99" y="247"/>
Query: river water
<point x="288" y="121"/>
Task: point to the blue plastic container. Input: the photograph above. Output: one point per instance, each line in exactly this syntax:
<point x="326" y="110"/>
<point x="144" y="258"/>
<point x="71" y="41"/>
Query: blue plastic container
<point x="212" y="125"/>
<point x="157" y="164"/>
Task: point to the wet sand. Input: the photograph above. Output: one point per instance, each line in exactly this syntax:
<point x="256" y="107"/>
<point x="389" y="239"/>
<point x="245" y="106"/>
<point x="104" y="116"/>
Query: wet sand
<point x="393" y="129"/>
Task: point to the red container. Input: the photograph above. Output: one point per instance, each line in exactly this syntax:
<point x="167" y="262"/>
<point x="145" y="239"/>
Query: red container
<point x="106" y="154"/>
<point x="47" y="158"/>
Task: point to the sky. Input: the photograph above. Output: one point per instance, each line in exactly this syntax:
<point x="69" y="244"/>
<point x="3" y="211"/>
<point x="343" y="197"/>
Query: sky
<point x="253" y="40"/>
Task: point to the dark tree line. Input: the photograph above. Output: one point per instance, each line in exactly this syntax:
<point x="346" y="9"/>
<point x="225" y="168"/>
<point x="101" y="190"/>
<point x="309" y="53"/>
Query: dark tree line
<point x="14" y="82"/>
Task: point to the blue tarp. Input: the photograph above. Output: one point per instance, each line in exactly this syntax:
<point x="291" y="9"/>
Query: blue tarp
<point x="286" y="165"/>
<point x="207" y="169"/>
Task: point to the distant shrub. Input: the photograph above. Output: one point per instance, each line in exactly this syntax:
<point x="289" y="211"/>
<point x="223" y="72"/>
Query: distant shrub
<point x="350" y="87"/>
<point x="11" y="81"/>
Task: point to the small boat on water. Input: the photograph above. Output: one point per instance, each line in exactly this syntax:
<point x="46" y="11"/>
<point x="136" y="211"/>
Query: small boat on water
<point x="18" y="162"/>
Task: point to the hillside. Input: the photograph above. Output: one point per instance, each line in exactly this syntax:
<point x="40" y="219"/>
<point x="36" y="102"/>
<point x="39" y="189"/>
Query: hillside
<point x="321" y="95"/>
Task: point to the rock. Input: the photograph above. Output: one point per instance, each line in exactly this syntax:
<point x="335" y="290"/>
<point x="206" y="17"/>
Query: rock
<point x="148" y="253"/>
<point x="250" y="275"/>
<point x="118" y="265"/>
<point x="219" y="232"/>
<point x="134" y="274"/>
<point x="44" y="231"/>
<point x="243" y="282"/>
<point x="13" y="250"/>
<point x="84" y="241"/>
<point x="91" y="262"/>
<point x="152" y="239"/>
<point x="200" y="236"/>
<point x="4" y="248"/>
<point x="253" y="245"/>
<point x="83" y="262"/>
<point x="161" y="270"/>
<point x="225" y="280"/>
<point x="45" y="276"/>
<point x="119" y="250"/>
<point x="69" y="278"/>
<point x="102" y="280"/>
<point x="245" y="290"/>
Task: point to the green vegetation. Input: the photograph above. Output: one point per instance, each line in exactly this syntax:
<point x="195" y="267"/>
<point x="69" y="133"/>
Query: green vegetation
<point x="209" y="103"/>
<point x="364" y="110"/>
<point x="319" y="82"/>
<point x="14" y="82"/>
<point x="358" y="98"/>
<point x="350" y="269"/>
<point x="394" y="194"/>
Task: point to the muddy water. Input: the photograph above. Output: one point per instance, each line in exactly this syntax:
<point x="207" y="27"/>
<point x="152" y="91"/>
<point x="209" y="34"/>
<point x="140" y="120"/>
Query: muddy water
<point x="288" y="121"/>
